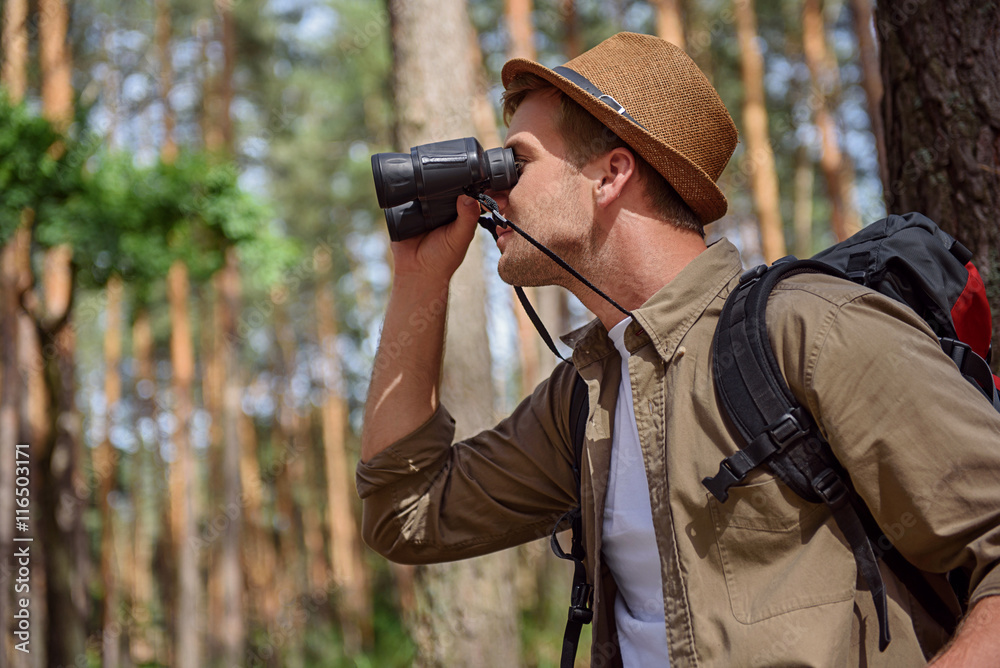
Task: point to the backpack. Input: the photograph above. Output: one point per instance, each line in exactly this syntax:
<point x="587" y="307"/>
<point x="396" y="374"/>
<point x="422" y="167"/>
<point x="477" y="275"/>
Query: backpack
<point x="907" y="258"/>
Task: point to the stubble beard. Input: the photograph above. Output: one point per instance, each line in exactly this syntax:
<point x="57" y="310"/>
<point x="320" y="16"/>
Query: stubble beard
<point x="524" y="265"/>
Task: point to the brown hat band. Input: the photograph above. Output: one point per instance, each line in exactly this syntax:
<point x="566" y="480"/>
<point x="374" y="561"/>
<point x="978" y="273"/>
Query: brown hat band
<point x="585" y="83"/>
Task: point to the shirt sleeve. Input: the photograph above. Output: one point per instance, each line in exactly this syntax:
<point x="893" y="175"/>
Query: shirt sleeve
<point x="920" y="443"/>
<point x="428" y="500"/>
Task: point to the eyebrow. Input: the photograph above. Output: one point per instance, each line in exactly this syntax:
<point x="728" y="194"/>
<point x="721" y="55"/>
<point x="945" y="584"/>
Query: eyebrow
<point x="518" y="146"/>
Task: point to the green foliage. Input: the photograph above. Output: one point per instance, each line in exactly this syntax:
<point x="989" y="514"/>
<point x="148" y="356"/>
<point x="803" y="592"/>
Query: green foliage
<point x="129" y="220"/>
<point x="26" y="167"/>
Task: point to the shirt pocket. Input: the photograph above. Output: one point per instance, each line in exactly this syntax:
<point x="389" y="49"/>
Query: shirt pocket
<point x="779" y="552"/>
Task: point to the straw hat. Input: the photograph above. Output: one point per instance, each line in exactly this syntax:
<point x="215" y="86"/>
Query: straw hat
<point x="660" y="104"/>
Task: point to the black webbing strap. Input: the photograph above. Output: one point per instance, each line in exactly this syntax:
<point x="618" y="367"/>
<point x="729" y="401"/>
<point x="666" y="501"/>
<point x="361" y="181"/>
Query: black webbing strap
<point x="834" y="492"/>
<point x="581" y="598"/>
<point x="491" y="205"/>
<point x="536" y="321"/>
<point x="490" y="224"/>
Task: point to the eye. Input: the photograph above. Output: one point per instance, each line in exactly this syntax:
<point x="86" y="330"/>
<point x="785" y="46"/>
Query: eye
<point x="519" y="165"/>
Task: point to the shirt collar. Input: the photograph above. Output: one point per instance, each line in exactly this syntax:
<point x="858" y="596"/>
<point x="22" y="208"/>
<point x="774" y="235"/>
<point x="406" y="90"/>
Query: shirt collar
<point x="667" y="316"/>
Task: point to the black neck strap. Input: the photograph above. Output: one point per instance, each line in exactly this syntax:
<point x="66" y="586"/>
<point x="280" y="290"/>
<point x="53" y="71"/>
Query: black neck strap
<point x="491" y="205"/>
<point x="583" y="82"/>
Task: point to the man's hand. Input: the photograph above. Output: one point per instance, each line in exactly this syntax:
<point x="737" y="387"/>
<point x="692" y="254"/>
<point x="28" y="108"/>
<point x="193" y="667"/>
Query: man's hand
<point x="977" y="642"/>
<point x="437" y="254"/>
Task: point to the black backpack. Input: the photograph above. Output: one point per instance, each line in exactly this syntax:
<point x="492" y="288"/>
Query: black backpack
<point x="905" y="257"/>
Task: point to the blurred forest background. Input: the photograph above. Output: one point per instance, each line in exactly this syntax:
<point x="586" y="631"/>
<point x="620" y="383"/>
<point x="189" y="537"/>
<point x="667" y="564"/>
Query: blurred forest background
<point x="194" y="272"/>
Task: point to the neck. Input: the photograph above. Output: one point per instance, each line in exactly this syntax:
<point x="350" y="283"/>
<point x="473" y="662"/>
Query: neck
<point x="647" y="254"/>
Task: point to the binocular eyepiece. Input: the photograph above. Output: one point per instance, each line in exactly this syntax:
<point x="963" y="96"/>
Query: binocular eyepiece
<point x="418" y="189"/>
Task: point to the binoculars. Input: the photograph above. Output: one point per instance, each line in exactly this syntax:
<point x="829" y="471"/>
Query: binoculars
<point x="418" y="189"/>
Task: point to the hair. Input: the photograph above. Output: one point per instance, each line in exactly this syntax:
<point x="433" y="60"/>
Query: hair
<point x="587" y="138"/>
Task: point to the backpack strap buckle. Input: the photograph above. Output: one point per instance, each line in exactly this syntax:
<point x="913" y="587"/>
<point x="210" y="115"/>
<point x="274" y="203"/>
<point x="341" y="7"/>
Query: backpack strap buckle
<point x="787" y="430"/>
<point x="831" y="488"/>
<point x="579" y="609"/>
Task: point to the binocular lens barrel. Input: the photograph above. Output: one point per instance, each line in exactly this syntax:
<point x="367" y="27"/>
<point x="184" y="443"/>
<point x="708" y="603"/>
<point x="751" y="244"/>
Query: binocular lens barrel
<point x="394" y="178"/>
<point x="418" y="190"/>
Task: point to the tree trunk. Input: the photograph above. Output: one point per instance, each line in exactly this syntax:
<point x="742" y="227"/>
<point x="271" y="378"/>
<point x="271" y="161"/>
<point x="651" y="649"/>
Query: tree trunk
<point x="168" y="151"/>
<point x="66" y="556"/>
<point x="670" y="21"/>
<point x="466" y="612"/>
<point x="942" y="122"/>
<point x="803" y="203"/>
<point x="349" y="572"/>
<point x="14" y="70"/>
<point x="187" y="626"/>
<point x="9" y="393"/>
<point x="233" y="633"/>
<point x="57" y="67"/>
<point x="65" y="494"/>
<point x="35" y="404"/>
<point x="826" y="81"/>
<point x="107" y="472"/>
<point x="225" y="119"/>
<point x="759" y="158"/>
<point x="871" y="79"/>
<point x="295" y="432"/>
<point x="522" y="39"/>
<point x="13" y="75"/>
<point x="571" y="22"/>
<point x="144" y="496"/>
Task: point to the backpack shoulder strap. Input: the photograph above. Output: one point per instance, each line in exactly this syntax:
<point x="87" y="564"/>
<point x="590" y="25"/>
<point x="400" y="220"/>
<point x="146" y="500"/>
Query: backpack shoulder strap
<point x="748" y="380"/>
<point x="581" y="598"/>
<point x="773" y="426"/>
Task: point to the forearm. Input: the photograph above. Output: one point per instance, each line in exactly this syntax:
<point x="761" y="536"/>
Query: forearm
<point x="977" y="641"/>
<point x="404" y="387"/>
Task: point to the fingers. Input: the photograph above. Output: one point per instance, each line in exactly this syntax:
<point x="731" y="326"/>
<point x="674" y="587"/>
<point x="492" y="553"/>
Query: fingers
<point x="460" y="232"/>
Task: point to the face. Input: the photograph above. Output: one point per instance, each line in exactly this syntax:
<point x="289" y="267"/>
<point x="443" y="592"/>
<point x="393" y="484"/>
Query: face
<point x="552" y="200"/>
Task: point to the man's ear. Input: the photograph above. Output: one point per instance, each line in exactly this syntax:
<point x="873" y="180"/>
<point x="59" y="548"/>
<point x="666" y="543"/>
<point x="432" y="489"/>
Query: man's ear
<point x="617" y="167"/>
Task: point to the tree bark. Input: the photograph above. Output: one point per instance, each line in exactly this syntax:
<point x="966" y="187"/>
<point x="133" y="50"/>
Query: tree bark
<point x="225" y="9"/>
<point x="13" y="73"/>
<point x="942" y="122"/>
<point x="349" y="573"/>
<point x="826" y="81"/>
<point x="34" y="407"/>
<point x="65" y="493"/>
<point x="168" y="151"/>
<point x="871" y="79"/>
<point x="295" y="432"/>
<point x="107" y="472"/>
<point x="571" y="22"/>
<point x="66" y="557"/>
<point x="232" y="630"/>
<point x="187" y="626"/>
<point x="466" y="612"/>
<point x="56" y="64"/>
<point x="144" y="496"/>
<point x="522" y="36"/>
<point x="803" y="203"/>
<point x="759" y="157"/>
<point x="670" y="21"/>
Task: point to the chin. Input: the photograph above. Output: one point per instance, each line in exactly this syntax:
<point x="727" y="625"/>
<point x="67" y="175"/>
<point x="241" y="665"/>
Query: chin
<point x="516" y="273"/>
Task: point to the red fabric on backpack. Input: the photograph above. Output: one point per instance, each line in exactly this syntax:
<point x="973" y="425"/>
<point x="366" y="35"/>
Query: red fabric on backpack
<point x="971" y="314"/>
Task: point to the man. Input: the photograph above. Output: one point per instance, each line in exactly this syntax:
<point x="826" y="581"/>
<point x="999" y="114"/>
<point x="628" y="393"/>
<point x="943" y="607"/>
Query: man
<point x="619" y="153"/>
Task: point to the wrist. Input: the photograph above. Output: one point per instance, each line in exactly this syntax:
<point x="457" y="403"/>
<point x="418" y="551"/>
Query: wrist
<point x="416" y="284"/>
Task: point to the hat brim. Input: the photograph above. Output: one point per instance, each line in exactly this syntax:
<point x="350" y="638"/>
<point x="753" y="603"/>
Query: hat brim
<point x="694" y="186"/>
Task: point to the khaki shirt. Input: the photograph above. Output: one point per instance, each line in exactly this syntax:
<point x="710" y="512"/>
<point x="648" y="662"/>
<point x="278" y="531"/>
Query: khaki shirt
<point x="766" y="578"/>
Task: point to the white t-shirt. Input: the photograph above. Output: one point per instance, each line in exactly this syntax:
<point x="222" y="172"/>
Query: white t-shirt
<point x="629" y="542"/>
